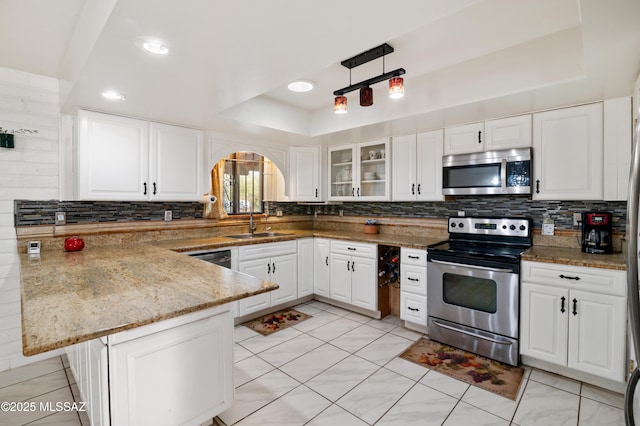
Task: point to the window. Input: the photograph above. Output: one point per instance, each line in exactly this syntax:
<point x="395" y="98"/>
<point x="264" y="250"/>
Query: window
<point x="243" y="183"/>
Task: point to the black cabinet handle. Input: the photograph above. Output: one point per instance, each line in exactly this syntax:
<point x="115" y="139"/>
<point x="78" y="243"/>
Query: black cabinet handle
<point x="412" y="309"/>
<point x="353" y="190"/>
<point x="348" y="266"/>
<point x="154" y="188"/>
<point x="413" y="257"/>
<point x="351" y="248"/>
<point x="562" y="300"/>
<point x="145" y="189"/>
<point x="566" y="277"/>
<point x="269" y="268"/>
<point x="479" y="136"/>
<point x="413" y="189"/>
<point x="413" y="279"/>
<point x="274" y="268"/>
<point x="353" y="266"/>
<point x="316" y="192"/>
<point x="537" y="186"/>
<point x="575" y="307"/>
<point x="327" y="260"/>
<point x="418" y="189"/>
<point x="358" y="191"/>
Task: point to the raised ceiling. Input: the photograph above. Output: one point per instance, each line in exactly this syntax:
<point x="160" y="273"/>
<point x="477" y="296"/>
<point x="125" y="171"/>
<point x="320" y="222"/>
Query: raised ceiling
<point x="230" y="62"/>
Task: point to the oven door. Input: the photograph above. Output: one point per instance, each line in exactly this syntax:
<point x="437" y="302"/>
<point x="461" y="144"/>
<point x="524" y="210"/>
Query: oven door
<point x="482" y="297"/>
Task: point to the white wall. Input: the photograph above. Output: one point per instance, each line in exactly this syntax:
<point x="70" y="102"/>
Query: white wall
<point x="29" y="171"/>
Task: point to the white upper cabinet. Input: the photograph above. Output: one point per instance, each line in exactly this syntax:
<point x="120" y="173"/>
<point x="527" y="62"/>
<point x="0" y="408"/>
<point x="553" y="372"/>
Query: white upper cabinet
<point x="417" y="167"/>
<point x="304" y="173"/>
<point x="360" y="172"/>
<point x="567" y="152"/>
<point x="507" y="133"/>
<point x="618" y="135"/>
<point x="113" y="157"/>
<point x="124" y="159"/>
<point x="175" y="166"/>
<point x="464" y="139"/>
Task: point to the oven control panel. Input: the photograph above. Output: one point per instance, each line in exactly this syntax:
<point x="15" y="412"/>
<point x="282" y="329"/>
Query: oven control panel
<point x="512" y="227"/>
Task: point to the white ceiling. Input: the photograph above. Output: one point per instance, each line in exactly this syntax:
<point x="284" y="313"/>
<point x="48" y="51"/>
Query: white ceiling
<point x="230" y="62"/>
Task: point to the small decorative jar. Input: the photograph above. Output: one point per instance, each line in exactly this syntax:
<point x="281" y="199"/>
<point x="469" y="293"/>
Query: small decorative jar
<point x="371" y="227"/>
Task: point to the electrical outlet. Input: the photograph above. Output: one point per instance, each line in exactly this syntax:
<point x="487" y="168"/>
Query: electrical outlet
<point x="548" y="228"/>
<point x="461" y="213"/>
<point x="278" y="212"/>
<point x="577" y="218"/>
<point x="61" y="218"/>
<point x="168" y="215"/>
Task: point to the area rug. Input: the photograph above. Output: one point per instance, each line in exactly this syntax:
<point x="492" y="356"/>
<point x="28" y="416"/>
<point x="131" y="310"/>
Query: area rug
<point x="276" y="321"/>
<point x="501" y="379"/>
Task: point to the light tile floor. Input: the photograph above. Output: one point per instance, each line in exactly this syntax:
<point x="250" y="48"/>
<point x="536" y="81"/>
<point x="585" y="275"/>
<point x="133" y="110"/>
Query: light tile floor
<point x="342" y="368"/>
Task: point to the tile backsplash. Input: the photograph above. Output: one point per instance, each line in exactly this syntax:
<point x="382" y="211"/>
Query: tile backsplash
<point x="43" y="212"/>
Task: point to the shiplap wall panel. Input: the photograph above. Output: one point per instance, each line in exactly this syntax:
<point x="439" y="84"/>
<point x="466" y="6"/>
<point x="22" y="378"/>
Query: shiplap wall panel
<point x="29" y="171"/>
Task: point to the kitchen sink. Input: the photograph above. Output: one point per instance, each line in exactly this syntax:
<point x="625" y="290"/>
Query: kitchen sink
<point x="258" y="235"/>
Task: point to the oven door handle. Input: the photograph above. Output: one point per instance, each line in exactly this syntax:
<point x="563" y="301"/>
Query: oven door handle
<point x="503" y="175"/>
<point x="457" y="330"/>
<point x="464" y="265"/>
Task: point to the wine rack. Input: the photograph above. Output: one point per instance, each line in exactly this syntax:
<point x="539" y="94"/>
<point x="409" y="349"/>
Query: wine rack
<point x="388" y="280"/>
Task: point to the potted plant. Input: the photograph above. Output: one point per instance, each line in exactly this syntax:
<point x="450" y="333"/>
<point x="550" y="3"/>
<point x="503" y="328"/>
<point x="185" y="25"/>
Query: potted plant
<point x="371" y="226"/>
<point x="6" y="136"/>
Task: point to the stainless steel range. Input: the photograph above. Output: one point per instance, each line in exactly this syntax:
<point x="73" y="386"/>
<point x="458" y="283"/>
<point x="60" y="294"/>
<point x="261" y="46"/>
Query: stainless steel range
<point x="473" y="285"/>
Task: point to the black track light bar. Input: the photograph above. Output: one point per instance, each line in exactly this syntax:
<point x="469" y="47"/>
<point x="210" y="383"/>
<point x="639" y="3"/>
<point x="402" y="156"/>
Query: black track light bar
<point x="369" y="82"/>
<point x="369" y="55"/>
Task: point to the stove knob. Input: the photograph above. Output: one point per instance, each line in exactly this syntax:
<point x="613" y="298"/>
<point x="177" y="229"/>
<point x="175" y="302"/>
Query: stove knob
<point x="504" y="226"/>
<point x="522" y="227"/>
<point x="512" y="227"/>
<point x="461" y="225"/>
<point x="453" y="225"/>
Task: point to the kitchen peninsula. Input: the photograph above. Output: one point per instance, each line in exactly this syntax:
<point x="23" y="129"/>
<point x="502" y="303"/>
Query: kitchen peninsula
<point x="151" y="323"/>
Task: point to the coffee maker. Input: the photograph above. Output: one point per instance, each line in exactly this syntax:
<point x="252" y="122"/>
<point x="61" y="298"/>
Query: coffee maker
<point x="596" y="232"/>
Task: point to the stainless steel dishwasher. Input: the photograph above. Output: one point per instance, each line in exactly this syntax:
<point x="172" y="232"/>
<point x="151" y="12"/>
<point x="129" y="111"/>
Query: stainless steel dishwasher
<point x="217" y="257"/>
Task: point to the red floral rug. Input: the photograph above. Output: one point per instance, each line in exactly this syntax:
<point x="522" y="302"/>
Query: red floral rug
<point x="276" y="321"/>
<point x="479" y="371"/>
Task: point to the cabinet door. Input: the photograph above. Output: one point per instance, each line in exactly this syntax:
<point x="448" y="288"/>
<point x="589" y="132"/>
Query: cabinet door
<point x="98" y="397"/>
<point x="507" y="133"/>
<point x="176" y="158"/>
<point x="374" y="172"/>
<point x="597" y="334"/>
<point x="340" y="283"/>
<point x="429" y="166"/>
<point x="364" y="283"/>
<point x="543" y="324"/>
<point x="342" y="170"/>
<point x="321" y="275"/>
<point x="304" y="173"/>
<point x="463" y="139"/>
<point x="305" y="267"/>
<point x="561" y="135"/>
<point x="258" y="268"/>
<point x="113" y="158"/>
<point x="404" y="168"/>
<point x="182" y="375"/>
<point x="284" y="272"/>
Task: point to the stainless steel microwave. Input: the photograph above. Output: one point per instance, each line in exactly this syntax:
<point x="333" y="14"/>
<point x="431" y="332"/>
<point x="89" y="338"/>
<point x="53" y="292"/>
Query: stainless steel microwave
<point x="492" y="172"/>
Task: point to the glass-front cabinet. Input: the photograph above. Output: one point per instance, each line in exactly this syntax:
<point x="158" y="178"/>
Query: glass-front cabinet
<point x="360" y="172"/>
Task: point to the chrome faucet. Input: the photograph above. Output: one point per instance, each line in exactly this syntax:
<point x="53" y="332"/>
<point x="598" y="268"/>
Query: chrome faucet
<point x="252" y="227"/>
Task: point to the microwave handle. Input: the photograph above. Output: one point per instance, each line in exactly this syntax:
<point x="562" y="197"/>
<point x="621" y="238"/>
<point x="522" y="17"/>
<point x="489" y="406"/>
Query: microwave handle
<point x="503" y="175"/>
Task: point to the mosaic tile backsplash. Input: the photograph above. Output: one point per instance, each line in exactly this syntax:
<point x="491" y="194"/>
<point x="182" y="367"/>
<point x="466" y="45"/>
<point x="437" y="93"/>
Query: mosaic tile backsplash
<point x="43" y="212"/>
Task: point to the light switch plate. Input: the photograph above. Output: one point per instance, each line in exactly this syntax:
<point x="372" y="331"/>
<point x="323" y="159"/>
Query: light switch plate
<point x="61" y="218"/>
<point x="548" y="228"/>
<point x="168" y="215"/>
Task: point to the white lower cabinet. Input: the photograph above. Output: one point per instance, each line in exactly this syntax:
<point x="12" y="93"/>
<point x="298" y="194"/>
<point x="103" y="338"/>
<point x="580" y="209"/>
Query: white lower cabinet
<point x="413" y="285"/>
<point x="321" y="268"/>
<point x="275" y="262"/>
<point x="574" y="317"/>
<point x="305" y="267"/>
<point x="177" y="371"/>
<point x="353" y="274"/>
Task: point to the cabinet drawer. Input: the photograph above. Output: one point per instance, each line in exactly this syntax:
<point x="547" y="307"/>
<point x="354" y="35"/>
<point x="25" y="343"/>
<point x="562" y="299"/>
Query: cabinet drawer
<point x="256" y="251"/>
<point x="598" y="280"/>
<point x="413" y="308"/>
<point x="354" y="249"/>
<point x="413" y="257"/>
<point x="413" y="279"/>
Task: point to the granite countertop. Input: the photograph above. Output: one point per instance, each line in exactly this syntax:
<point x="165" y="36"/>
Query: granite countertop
<point x="212" y="243"/>
<point x="575" y="257"/>
<point x="70" y="297"/>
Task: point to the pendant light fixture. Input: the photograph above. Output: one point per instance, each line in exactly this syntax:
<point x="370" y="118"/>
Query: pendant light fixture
<point x="396" y="83"/>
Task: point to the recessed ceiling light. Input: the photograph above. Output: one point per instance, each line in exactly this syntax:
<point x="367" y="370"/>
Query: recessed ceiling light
<point x="113" y="95"/>
<point x="301" y="86"/>
<point x="155" y="48"/>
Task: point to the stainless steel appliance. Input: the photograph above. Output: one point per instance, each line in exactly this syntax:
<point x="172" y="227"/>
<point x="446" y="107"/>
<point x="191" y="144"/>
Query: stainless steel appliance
<point x="218" y="257"/>
<point x="633" y="295"/>
<point x="473" y="285"/>
<point x="492" y="172"/>
<point x="596" y="232"/>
